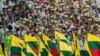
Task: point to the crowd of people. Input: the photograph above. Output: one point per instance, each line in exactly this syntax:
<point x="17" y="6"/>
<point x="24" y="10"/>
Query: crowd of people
<point x="36" y="17"/>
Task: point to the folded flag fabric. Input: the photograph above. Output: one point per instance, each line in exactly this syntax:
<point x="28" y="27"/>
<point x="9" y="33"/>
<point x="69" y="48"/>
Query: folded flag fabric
<point x="29" y="51"/>
<point x="1" y="52"/>
<point x="32" y="41"/>
<point x="43" y="50"/>
<point x="61" y="37"/>
<point x="16" y="46"/>
<point x="51" y="45"/>
<point x="64" y="45"/>
<point x="65" y="50"/>
<point x="86" y="48"/>
<point x="23" y="54"/>
<point x="75" y="46"/>
<point x="94" y="44"/>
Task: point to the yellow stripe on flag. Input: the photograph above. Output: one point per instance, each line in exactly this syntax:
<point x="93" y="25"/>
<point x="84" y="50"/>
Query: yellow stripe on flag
<point x="6" y="53"/>
<point x="87" y="48"/>
<point x="30" y="38"/>
<point x="59" y="35"/>
<point x="64" y="46"/>
<point x="17" y="42"/>
<point x="77" y="49"/>
<point x="1" y="52"/>
<point x="75" y="45"/>
<point x="41" y="47"/>
<point x="92" y="37"/>
<point x="23" y="54"/>
<point x="46" y="39"/>
<point x="29" y="50"/>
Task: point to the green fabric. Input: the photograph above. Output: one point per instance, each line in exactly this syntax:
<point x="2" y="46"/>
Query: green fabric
<point x="44" y="43"/>
<point x="29" y="54"/>
<point x="15" y="50"/>
<point x="94" y="45"/>
<point x="66" y="53"/>
<point x="7" y="41"/>
<point x="33" y="45"/>
<point x="68" y="43"/>
<point x="24" y="50"/>
<point x="73" y="54"/>
<point x="51" y="44"/>
<point x="84" y="53"/>
<point x="44" y="52"/>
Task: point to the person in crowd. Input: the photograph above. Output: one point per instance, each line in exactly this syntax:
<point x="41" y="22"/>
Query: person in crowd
<point x="37" y="17"/>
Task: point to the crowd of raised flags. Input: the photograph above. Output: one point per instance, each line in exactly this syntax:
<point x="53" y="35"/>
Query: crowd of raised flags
<point x="49" y="28"/>
<point x="44" y="46"/>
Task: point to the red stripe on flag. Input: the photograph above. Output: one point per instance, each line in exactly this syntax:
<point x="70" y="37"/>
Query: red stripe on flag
<point x="95" y="52"/>
<point x="35" y="51"/>
<point x="54" y="51"/>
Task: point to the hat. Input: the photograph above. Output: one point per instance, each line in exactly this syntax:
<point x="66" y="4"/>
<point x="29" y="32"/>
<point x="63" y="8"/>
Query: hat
<point x="37" y="7"/>
<point x="71" y="16"/>
<point x="57" y="29"/>
<point x="66" y="15"/>
<point x="87" y="6"/>
<point x="61" y="4"/>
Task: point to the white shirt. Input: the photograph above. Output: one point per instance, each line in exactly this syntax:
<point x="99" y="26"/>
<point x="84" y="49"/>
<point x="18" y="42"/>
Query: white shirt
<point x="1" y="6"/>
<point x="81" y="44"/>
<point x="13" y="27"/>
<point x="2" y="35"/>
<point x="30" y="3"/>
<point x="11" y="3"/>
<point x="43" y="14"/>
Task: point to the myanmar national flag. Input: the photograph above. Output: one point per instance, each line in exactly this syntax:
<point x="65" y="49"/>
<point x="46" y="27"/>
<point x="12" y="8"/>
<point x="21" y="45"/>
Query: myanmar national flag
<point x="23" y="54"/>
<point x="75" y="46"/>
<point x="86" y="48"/>
<point x="51" y="45"/>
<point x="61" y="37"/>
<point x="94" y="44"/>
<point x="24" y="51"/>
<point x="29" y="51"/>
<point x="43" y="50"/>
<point x="32" y="42"/>
<point x="64" y="45"/>
<point x="16" y="46"/>
<point x="65" y="50"/>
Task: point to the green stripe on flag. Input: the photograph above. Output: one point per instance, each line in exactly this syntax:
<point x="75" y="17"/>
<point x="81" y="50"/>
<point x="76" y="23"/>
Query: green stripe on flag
<point x="51" y="44"/>
<point x="44" y="52"/>
<point x="24" y="50"/>
<point x="65" y="41"/>
<point x="94" y="45"/>
<point x="33" y="44"/>
<point x="15" y="50"/>
<point x="84" y="53"/>
<point x="29" y="54"/>
<point x="66" y="53"/>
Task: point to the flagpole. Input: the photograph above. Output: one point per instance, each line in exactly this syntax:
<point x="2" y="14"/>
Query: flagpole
<point x="38" y="46"/>
<point x="57" y="41"/>
<point x="45" y="44"/>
